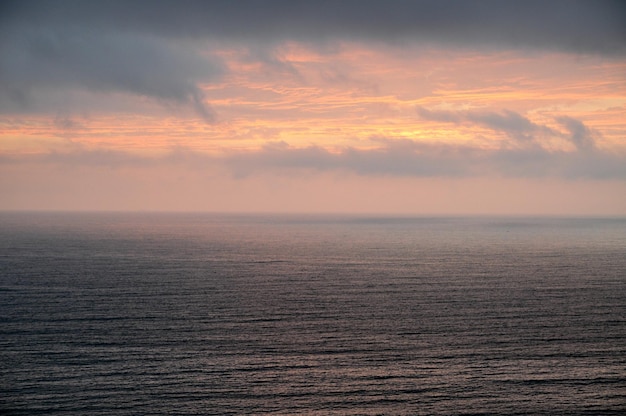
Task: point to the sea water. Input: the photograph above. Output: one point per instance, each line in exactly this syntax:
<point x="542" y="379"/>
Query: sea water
<point x="127" y="314"/>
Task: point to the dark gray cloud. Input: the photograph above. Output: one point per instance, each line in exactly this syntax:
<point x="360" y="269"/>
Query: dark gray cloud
<point x="592" y="26"/>
<point x="57" y="59"/>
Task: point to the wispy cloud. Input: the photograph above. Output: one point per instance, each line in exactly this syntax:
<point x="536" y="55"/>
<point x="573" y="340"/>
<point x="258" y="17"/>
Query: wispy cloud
<point x="517" y="126"/>
<point x="514" y="124"/>
<point x="580" y="135"/>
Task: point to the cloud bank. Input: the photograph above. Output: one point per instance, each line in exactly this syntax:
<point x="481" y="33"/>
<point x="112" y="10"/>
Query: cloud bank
<point x="392" y="158"/>
<point x="159" y="49"/>
<point x="570" y="25"/>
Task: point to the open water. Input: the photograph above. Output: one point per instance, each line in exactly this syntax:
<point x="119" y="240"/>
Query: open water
<point x="130" y="314"/>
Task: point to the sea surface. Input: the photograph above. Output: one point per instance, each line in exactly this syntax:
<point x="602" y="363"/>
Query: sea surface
<point x="133" y="314"/>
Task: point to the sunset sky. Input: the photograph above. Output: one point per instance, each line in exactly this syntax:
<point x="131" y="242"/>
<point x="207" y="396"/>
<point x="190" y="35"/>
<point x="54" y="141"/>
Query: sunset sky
<point x="394" y="107"/>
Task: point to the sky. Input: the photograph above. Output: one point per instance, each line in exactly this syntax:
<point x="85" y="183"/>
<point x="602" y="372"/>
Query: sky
<point x="388" y="107"/>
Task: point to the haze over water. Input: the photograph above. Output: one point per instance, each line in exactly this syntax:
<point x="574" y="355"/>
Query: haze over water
<point x="222" y="314"/>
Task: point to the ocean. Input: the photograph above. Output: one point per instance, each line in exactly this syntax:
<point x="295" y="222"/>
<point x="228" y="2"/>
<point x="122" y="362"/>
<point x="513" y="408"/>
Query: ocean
<point x="133" y="314"/>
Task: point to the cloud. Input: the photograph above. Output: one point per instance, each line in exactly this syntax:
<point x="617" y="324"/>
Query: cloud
<point x="159" y="49"/>
<point x="64" y="122"/>
<point x="407" y="158"/>
<point x="586" y="26"/>
<point x="508" y="121"/>
<point x="392" y="158"/>
<point x="513" y="124"/>
<point x="440" y="115"/>
<point x="580" y="135"/>
<point x="518" y="127"/>
<point x="44" y="59"/>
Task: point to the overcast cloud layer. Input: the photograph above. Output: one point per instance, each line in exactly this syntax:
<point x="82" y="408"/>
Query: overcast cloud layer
<point x="127" y="46"/>
<point x="574" y="25"/>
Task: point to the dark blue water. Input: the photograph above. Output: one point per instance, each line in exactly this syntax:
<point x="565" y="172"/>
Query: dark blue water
<point x="114" y="314"/>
